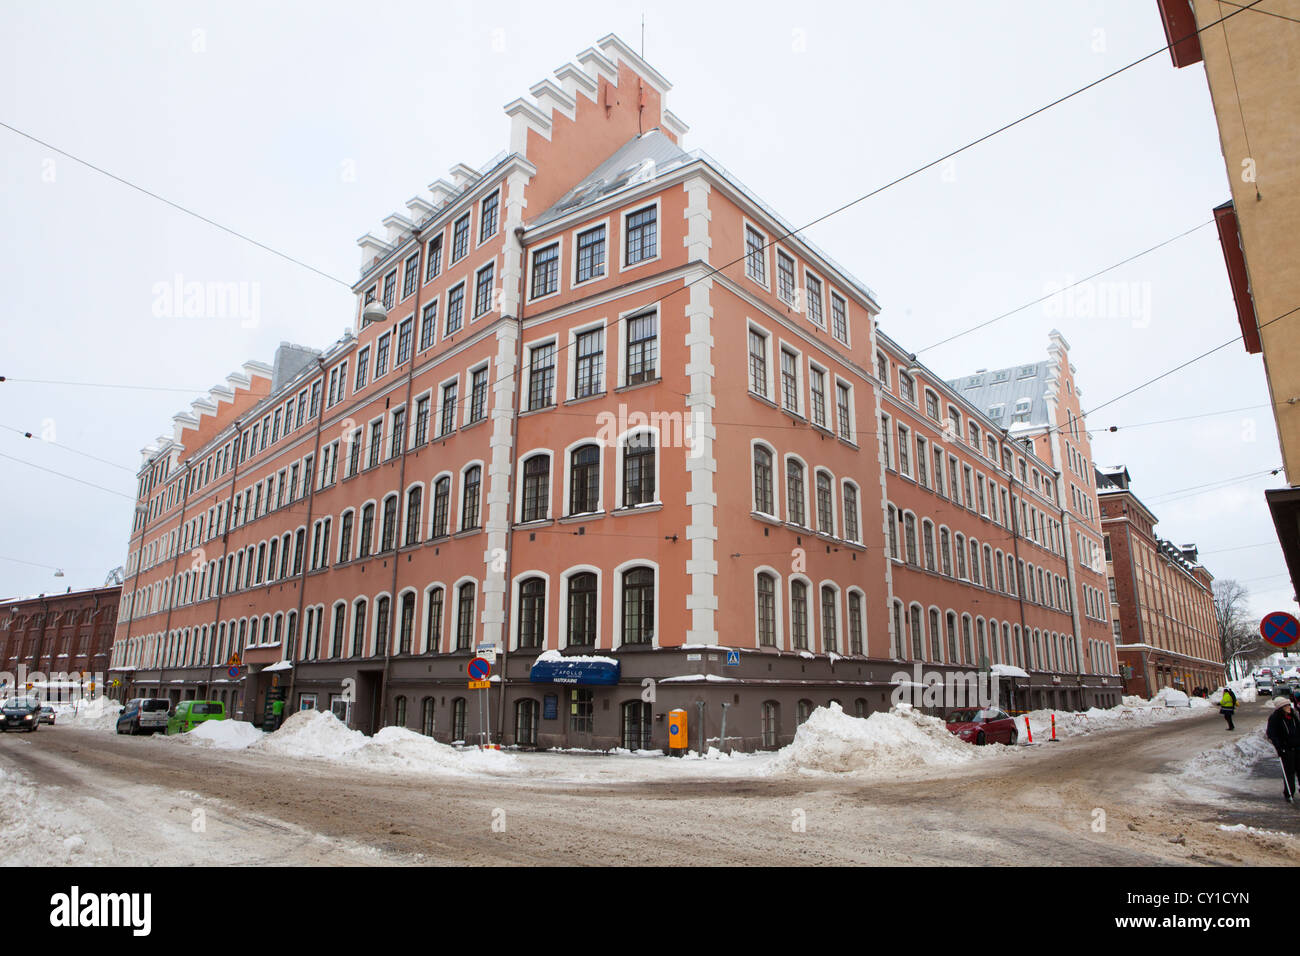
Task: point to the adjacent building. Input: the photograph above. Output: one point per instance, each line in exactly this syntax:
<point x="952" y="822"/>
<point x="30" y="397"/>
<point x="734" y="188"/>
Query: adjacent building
<point x="1161" y="598"/>
<point x="567" y="370"/>
<point x="58" y="634"/>
<point x="1251" y="62"/>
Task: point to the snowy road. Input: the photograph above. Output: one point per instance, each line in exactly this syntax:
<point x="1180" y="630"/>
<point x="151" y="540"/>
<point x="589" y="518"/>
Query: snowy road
<point x="82" y="796"/>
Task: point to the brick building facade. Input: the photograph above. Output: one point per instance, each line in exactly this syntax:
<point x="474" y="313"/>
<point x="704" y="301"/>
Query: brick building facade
<point x="58" y="633"/>
<point x="1161" y="598"/>
<point x="567" y="370"/>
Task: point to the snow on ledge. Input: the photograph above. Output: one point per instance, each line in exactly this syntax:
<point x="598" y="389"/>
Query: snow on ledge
<point x="1008" y="670"/>
<point x="573" y="658"/>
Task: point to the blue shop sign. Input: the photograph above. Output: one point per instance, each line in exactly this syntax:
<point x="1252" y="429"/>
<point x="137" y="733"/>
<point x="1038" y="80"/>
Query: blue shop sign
<point x="574" y="672"/>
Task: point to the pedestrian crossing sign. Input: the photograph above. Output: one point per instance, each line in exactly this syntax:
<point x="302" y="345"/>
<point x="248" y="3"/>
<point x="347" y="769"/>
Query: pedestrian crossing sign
<point x="733" y="658"/>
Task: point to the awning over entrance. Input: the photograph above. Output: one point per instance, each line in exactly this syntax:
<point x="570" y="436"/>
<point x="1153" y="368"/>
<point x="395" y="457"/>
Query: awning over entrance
<point x="1284" y="503"/>
<point x="552" y="668"/>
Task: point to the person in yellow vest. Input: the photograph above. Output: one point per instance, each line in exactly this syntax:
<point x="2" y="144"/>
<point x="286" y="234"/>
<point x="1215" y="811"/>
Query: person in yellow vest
<point x="1227" y="705"/>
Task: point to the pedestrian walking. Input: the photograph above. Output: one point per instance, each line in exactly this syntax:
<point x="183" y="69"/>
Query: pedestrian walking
<point x="1227" y="705"/>
<point x="1284" y="733"/>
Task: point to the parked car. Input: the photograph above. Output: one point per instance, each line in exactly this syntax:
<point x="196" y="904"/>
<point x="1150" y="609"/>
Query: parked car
<point x="144" y="715"/>
<point x="47" y="714"/>
<point x="20" y="713"/>
<point x="987" y="725"/>
<point x="190" y="713"/>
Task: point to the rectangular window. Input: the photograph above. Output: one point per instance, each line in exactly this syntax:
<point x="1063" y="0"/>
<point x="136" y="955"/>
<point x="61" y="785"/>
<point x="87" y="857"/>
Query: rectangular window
<point x="478" y="395"/>
<point x="363" y="370"/>
<point x="488" y="215"/>
<point x="839" y="318"/>
<point x="591" y="254"/>
<point x="411" y="275"/>
<point x="541" y="376"/>
<point x="642" y="348"/>
<point x="546" y="270"/>
<point x="460" y="238"/>
<point x="758" y="363"/>
<point x="843" y="407"/>
<point x="398" y="432"/>
<point x="390" y="289"/>
<point x="403" y="343"/>
<point x="755" y="257"/>
<point x="381" y="354"/>
<point x="448" y="422"/>
<point x="428" y="325"/>
<point x="789" y="381"/>
<point x="376" y="441"/>
<point x="435" y="258"/>
<point x="817" y="388"/>
<point x="455" y="310"/>
<point x="784" y="277"/>
<point x="421" y="421"/>
<point x="483" y="290"/>
<point x="589" y="379"/>
<point x="904" y="451"/>
<point x="815" y="314"/>
<point x="642" y="235"/>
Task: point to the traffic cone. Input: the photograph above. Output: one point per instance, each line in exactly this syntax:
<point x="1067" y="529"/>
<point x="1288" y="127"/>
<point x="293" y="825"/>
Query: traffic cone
<point x="1029" y="731"/>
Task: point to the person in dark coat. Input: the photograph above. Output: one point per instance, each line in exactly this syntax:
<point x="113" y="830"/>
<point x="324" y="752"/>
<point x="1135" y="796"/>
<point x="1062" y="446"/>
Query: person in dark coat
<point x="1283" y="732"/>
<point x="1227" y="705"/>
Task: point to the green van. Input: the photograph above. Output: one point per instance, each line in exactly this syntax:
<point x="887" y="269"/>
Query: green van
<point x="190" y="713"/>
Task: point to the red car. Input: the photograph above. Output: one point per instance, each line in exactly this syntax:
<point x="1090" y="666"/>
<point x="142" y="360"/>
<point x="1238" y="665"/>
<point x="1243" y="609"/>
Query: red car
<point x="983" y="726"/>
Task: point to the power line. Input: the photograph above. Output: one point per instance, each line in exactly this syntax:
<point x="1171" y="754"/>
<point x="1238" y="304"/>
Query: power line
<point x="1186" y="418"/>
<point x="80" y="481"/>
<point x="27" y="434"/>
<point x="1054" y="293"/>
<point x="1242" y="547"/>
<point x="1280" y="16"/>
<point x="177" y="206"/>
<point x="143" y="388"/>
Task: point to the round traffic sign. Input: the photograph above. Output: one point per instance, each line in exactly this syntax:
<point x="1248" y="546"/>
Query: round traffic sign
<point x="479" y="668"/>
<point x="233" y="672"/>
<point x="1280" y="629"/>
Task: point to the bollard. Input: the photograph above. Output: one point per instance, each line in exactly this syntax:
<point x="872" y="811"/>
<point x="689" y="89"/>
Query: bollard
<point x="1053" y="740"/>
<point x="1029" y="731"/>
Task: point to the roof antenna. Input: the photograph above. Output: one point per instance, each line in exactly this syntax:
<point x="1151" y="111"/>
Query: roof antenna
<point x="643" y="35"/>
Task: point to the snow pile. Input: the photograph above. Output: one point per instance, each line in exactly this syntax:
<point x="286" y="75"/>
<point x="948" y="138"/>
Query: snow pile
<point x="1251" y="831"/>
<point x="1233" y="759"/>
<point x="1244" y="689"/>
<point x="223" y="735"/>
<point x="99" y="713"/>
<point x="830" y="741"/>
<point x="321" y="735"/>
<point x="1170" y="697"/>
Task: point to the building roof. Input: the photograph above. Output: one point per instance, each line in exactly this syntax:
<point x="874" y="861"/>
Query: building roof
<point x="999" y="393"/>
<point x="640" y="159"/>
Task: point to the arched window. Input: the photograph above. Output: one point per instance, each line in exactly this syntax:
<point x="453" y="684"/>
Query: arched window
<point x="581" y="622"/>
<point x="359" y="628"/>
<point x="917" y="635"/>
<point x="406" y="623"/>
<point x="532" y="613"/>
<point x="469" y="501"/>
<point x="339" y="635"/>
<point x="399" y="711"/>
<point x="345" y="538"/>
<point x="388" y="539"/>
<point x="367" y="538"/>
<point x="897" y="638"/>
<point x="771" y="724"/>
<point x="799" y="615"/>
<point x="638" y="469"/>
<point x="766" y="609"/>
<point x="950" y="629"/>
<point x="414" y="500"/>
<point x="441" y="506"/>
<point x="584" y="480"/>
<point x="382" y="636"/>
<point x="526" y="713"/>
<point x="960" y="549"/>
<point x="825" y="504"/>
<point x="909" y="537"/>
<point x="927" y="543"/>
<point x="458" y="719"/>
<point x="893" y="532"/>
<point x="855" y="622"/>
<point x="794" y="512"/>
<point x="764" y="501"/>
<point x="537" y="488"/>
<point x="974" y="560"/>
<point x="851" y="513"/>
<point x="988" y="567"/>
<point x="427" y="716"/>
<point x="830" y="627"/>
<point x="803" y="710"/>
<point x="433" y="621"/>
<point x="465" y="616"/>
<point x="936" y="636"/>
<point x="638" y="606"/>
<point x="967" y="647"/>
<point x="945" y="552"/>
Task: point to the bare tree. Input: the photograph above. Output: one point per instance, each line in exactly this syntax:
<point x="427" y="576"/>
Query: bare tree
<point x="1238" y="636"/>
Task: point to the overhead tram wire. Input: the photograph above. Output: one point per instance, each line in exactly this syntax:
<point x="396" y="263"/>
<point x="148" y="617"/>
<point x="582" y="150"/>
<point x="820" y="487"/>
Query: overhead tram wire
<point x="143" y="388"/>
<point x="80" y="481"/>
<point x="177" y="206"/>
<point x="27" y="434"/>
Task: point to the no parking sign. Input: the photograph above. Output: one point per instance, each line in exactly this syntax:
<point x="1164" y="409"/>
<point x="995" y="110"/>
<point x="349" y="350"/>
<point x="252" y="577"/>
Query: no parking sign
<point x="1280" y="629"/>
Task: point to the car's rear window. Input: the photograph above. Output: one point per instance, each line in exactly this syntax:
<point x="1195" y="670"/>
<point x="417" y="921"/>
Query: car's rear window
<point x="963" y="717"/>
<point x="207" y="707"/>
<point x="155" y="704"/>
<point x="23" y="702"/>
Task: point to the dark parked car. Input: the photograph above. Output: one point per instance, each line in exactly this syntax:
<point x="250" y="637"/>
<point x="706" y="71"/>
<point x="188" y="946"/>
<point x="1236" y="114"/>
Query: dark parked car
<point x="21" y="713"/>
<point x="987" y="725"/>
<point x="144" y="715"/>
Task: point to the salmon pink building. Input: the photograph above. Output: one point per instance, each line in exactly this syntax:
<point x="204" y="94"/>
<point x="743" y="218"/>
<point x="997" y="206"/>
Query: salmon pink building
<point x="602" y="414"/>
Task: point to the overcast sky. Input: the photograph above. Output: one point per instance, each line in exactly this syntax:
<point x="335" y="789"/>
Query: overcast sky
<point x="303" y="125"/>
